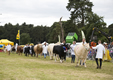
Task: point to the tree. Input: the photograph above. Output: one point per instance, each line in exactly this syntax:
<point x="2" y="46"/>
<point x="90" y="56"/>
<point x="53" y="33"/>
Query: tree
<point x="110" y="27"/>
<point x="79" y="10"/>
<point x="94" y="20"/>
<point x="25" y="38"/>
<point x="55" y="30"/>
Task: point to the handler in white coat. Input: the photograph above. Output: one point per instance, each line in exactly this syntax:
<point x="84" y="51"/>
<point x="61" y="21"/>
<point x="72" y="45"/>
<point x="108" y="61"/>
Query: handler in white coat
<point x="72" y="52"/>
<point x="16" y="46"/>
<point x="100" y="50"/>
<point x="8" y="47"/>
<point x="44" y="49"/>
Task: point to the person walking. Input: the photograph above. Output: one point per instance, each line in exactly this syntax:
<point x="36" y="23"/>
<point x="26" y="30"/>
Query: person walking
<point x="44" y="49"/>
<point x="72" y="52"/>
<point x="8" y="47"/>
<point x="16" y="45"/>
<point x="83" y="41"/>
<point x="100" y="49"/>
<point x="65" y="48"/>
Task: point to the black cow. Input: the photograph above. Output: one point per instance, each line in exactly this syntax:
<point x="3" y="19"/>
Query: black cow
<point x="32" y="51"/>
<point x="59" y="49"/>
<point x="27" y="51"/>
<point x="13" y="49"/>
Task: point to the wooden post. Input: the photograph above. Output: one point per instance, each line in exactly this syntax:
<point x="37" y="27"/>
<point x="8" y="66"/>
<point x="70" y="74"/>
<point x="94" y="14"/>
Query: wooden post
<point x="61" y="29"/>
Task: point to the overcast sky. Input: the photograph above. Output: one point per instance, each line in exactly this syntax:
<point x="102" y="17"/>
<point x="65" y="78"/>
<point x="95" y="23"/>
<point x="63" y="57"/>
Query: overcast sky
<point x="46" y="12"/>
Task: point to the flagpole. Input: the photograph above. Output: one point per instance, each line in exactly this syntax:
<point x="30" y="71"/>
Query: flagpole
<point x="19" y="37"/>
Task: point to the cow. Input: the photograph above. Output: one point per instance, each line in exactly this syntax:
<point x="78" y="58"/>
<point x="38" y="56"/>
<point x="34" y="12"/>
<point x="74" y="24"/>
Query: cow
<point x="81" y="52"/>
<point x="38" y="49"/>
<point x="32" y="50"/>
<point x="50" y="49"/>
<point x="58" y="49"/>
<point x="19" y="50"/>
<point x="27" y="50"/>
<point x="13" y="49"/>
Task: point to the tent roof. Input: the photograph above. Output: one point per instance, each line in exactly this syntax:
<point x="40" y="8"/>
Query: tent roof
<point x="5" y="41"/>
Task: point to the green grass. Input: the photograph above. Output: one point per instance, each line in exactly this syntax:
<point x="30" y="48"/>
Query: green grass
<point x="15" y="67"/>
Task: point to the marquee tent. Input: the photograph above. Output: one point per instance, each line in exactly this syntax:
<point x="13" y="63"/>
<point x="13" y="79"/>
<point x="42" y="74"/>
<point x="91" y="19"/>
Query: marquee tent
<point x="5" y="42"/>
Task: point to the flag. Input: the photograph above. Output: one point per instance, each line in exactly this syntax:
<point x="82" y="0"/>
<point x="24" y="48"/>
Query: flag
<point x="18" y="35"/>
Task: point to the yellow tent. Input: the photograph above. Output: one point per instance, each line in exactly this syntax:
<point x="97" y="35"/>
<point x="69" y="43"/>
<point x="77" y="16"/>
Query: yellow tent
<point x="5" y="42"/>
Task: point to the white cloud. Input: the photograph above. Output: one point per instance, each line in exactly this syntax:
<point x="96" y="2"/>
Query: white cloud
<point x="104" y="8"/>
<point x="46" y="12"/>
<point x="37" y="12"/>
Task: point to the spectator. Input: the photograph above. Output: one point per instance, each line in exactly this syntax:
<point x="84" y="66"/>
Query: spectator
<point x="8" y="47"/>
<point x="45" y="49"/>
<point x="72" y="52"/>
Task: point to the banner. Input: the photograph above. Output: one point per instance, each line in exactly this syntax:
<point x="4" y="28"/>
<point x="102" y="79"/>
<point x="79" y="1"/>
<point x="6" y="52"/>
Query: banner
<point x="18" y="35"/>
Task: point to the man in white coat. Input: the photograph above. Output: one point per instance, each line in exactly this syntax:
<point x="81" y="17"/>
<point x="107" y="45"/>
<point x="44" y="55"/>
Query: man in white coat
<point x="83" y="41"/>
<point x="8" y="47"/>
<point x="44" y="49"/>
<point x="16" y="45"/>
<point x="100" y="50"/>
<point x="72" y="52"/>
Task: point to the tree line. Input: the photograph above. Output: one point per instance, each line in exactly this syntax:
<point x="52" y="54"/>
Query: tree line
<point x="82" y="18"/>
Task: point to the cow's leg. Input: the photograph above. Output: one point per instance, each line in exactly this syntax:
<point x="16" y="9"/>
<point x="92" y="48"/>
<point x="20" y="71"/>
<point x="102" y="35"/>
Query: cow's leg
<point x="41" y="55"/>
<point x="82" y="62"/>
<point x="85" y="63"/>
<point x="28" y="54"/>
<point x="60" y="59"/>
<point x="25" y="53"/>
<point x="55" y="57"/>
<point x="77" y="59"/>
<point x="51" y="57"/>
<point x="36" y="55"/>
<point x="19" y="53"/>
<point x="31" y="54"/>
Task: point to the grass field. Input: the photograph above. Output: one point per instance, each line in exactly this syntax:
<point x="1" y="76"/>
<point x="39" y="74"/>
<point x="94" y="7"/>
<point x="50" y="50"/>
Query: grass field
<point x="15" y="67"/>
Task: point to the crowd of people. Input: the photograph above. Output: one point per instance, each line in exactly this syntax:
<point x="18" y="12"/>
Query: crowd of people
<point x="101" y="51"/>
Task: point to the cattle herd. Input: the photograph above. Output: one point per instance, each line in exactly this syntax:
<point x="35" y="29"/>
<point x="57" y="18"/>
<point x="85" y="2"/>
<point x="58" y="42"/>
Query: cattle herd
<point x="55" y="50"/>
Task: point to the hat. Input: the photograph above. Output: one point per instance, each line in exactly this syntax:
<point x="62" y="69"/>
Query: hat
<point x="104" y="43"/>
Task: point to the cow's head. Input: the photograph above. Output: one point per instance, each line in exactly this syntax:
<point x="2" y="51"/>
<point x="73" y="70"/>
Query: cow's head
<point x="87" y="46"/>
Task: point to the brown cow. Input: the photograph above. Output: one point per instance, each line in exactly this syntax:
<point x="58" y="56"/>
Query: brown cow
<point x="38" y="49"/>
<point x="19" y="50"/>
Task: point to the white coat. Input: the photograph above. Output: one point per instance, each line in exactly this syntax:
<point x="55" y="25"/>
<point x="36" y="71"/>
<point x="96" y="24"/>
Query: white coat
<point x="84" y="42"/>
<point x="72" y="49"/>
<point x="44" y="49"/>
<point x="16" y="46"/>
<point x="100" y="50"/>
<point x="8" y="47"/>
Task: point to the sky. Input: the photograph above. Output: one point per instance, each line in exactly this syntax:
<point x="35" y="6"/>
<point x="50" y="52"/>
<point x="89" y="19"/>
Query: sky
<point x="46" y="12"/>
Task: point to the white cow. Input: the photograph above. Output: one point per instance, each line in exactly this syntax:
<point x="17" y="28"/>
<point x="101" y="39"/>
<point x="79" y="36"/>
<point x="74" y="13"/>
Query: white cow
<point x="81" y="52"/>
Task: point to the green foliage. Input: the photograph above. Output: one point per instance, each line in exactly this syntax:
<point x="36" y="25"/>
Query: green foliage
<point x="54" y="32"/>
<point x="37" y="33"/>
<point x="25" y="38"/>
<point x="79" y="10"/>
<point x="110" y="27"/>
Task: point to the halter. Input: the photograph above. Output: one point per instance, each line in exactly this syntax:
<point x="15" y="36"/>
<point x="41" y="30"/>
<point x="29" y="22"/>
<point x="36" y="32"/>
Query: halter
<point x="86" y="48"/>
